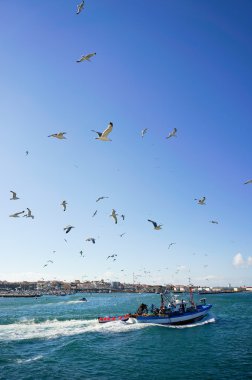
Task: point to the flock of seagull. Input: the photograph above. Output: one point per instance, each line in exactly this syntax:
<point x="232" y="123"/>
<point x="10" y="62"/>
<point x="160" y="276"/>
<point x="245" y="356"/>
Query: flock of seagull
<point x="101" y="136"/>
<point x="17" y="214"/>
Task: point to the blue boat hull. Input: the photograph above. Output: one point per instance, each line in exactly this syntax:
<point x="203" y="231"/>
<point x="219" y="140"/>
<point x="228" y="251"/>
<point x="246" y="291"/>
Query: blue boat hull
<point x="176" y="318"/>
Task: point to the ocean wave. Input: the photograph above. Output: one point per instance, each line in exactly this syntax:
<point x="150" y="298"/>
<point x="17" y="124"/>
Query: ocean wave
<point x="22" y="361"/>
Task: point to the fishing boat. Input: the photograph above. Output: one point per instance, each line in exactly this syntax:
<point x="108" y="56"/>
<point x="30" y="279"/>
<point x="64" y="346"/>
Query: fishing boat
<point x="172" y="311"/>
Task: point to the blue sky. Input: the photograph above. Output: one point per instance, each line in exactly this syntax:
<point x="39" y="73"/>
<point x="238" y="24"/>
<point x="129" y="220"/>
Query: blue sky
<point x="183" y="64"/>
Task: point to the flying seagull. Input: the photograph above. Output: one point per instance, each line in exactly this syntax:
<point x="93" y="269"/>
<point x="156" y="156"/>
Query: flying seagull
<point x="86" y="57"/>
<point x="59" y="135"/>
<point x="100" y="198"/>
<point x="91" y="239"/>
<point x="81" y="252"/>
<point x="29" y="214"/>
<point x="114" y="255"/>
<point x="123" y="216"/>
<point x="64" y="203"/>
<point x="68" y="229"/>
<point x="103" y="136"/>
<point x="80" y="7"/>
<point x="16" y="215"/>
<point x="249" y="181"/>
<point x="213" y="221"/>
<point x="170" y="245"/>
<point x="122" y="234"/>
<point x="26" y="152"/>
<point x="14" y="196"/>
<point x="94" y="213"/>
<point x="114" y="215"/>
<point x="143" y="132"/>
<point x="156" y="226"/>
<point x="173" y="133"/>
<point x="49" y="261"/>
<point x="201" y="201"/>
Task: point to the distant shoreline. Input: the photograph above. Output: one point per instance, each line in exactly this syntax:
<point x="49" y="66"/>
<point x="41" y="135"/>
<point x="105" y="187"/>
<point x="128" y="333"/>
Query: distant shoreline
<point x="25" y="295"/>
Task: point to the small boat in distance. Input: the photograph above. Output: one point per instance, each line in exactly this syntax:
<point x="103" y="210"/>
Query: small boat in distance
<point x="172" y="311"/>
<point x="83" y="299"/>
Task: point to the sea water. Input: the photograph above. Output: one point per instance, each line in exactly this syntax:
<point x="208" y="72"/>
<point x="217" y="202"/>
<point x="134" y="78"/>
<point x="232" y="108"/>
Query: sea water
<point x="60" y="338"/>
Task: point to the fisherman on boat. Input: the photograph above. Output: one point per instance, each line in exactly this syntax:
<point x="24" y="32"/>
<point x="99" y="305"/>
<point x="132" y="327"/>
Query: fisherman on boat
<point x="142" y="309"/>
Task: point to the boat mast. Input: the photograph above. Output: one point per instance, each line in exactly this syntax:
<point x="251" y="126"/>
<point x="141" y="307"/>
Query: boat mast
<point x="162" y="300"/>
<point x="191" y="293"/>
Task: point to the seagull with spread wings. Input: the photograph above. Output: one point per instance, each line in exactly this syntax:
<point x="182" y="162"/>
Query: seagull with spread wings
<point x="29" y="214"/>
<point x="14" y="196"/>
<point x="100" y="198"/>
<point x="103" y="136"/>
<point x="59" y="135"/>
<point x="201" y="201"/>
<point x="214" y="221"/>
<point x="143" y="132"/>
<point x="91" y="239"/>
<point x="94" y="213"/>
<point x="80" y="7"/>
<point x="173" y="133"/>
<point x="113" y="256"/>
<point x="155" y="225"/>
<point x="114" y="215"/>
<point x="64" y="203"/>
<point x="68" y="228"/>
<point x="86" y="57"/>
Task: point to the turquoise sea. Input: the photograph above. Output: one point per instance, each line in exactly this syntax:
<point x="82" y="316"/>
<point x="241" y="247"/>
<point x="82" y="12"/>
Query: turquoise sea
<point x="59" y="338"/>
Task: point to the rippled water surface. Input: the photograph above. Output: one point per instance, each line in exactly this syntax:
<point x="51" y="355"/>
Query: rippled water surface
<point x="59" y="338"/>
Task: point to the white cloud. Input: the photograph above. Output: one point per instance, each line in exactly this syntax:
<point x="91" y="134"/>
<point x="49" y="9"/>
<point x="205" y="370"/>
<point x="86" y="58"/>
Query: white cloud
<point x="238" y="260"/>
<point x="249" y="260"/>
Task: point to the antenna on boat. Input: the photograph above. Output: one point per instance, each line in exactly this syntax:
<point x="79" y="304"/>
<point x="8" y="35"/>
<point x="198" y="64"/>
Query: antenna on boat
<point x="191" y="292"/>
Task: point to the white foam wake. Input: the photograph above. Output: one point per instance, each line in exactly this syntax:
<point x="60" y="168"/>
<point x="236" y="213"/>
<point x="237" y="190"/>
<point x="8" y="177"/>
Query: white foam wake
<point x="52" y="329"/>
<point x="196" y="324"/>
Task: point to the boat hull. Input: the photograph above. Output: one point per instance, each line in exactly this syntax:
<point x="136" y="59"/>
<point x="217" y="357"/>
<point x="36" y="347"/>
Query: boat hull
<point x="185" y="318"/>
